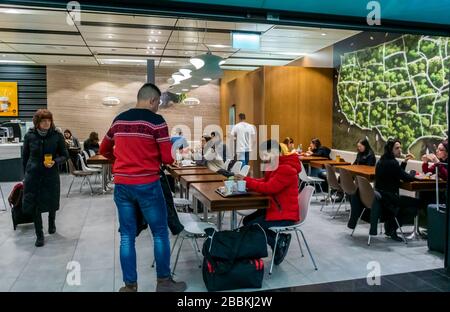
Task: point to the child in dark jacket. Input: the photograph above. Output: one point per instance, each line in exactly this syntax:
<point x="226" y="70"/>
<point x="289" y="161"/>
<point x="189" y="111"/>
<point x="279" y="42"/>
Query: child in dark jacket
<point x="280" y="182"/>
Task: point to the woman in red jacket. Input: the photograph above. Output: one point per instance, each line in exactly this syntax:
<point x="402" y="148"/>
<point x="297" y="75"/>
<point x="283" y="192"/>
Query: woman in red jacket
<point x="280" y="182"/>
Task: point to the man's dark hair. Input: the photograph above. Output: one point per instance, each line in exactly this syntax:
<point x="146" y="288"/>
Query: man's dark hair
<point x="389" y="147"/>
<point x="316" y="142"/>
<point x="148" y="91"/>
<point x="241" y="116"/>
<point x="269" y="145"/>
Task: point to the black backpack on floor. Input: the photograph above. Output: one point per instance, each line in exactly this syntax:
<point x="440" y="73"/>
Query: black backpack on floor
<point x="232" y="259"/>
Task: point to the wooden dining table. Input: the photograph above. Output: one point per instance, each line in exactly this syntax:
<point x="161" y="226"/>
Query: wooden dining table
<point x="320" y="164"/>
<point x="211" y="200"/>
<point x="106" y="169"/>
<point x="416" y="186"/>
<point x="367" y="172"/>
<point x="172" y="167"/>
<point x="187" y="180"/>
<point x="308" y="159"/>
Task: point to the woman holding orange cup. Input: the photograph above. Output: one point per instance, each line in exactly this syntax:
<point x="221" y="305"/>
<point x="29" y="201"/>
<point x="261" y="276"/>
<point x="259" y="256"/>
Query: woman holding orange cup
<point x="43" y="151"/>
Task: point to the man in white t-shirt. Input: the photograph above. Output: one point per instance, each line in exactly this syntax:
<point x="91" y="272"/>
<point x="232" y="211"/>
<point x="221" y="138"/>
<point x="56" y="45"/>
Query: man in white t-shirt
<point x="244" y="133"/>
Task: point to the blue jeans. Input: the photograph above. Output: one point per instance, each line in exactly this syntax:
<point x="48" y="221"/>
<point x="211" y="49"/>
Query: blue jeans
<point x="244" y="157"/>
<point x="150" y="199"/>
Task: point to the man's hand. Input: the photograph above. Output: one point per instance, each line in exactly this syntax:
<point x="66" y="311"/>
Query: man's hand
<point x="49" y="164"/>
<point x="409" y="156"/>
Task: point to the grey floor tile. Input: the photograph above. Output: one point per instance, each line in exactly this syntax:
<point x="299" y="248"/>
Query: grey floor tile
<point x="93" y="281"/>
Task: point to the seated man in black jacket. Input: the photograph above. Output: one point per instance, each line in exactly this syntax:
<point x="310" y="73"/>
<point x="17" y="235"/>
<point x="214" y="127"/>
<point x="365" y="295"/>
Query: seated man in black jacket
<point x="388" y="176"/>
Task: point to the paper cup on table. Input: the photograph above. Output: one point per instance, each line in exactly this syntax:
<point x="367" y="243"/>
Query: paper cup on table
<point x="241" y="186"/>
<point x="229" y="187"/>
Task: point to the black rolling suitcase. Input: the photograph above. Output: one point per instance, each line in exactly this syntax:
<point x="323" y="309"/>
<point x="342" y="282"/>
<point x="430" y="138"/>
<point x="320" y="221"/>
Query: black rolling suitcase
<point x="15" y="201"/>
<point x="436" y="223"/>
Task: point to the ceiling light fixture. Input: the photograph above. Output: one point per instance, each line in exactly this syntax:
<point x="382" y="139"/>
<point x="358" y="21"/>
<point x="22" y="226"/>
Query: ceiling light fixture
<point x="150" y="40"/>
<point x="323" y="34"/>
<point x="194" y="86"/>
<point x="123" y="61"/>
<point x="185" y="90"/>
<point x="152" y="32"/>
<point x="159" y="33"/>
<point x="156" y="40"/>
<point x="153" y="52"/>
<point x="207" y="79"/>
<point x="16" y="62"/>
<point x="62" y="61"/>
<point x="110" y="36"/>
<point x="218" y="46"/>
<point x="11" y="11"/>
<point x="168" y="62"/>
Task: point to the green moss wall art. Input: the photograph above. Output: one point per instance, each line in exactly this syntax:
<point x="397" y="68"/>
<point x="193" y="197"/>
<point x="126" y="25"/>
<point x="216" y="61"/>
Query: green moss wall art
<point x="396" y="89"/>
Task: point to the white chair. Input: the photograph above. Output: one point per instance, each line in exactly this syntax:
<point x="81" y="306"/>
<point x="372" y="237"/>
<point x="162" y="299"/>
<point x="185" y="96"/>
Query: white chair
<point x="194" y="228"/>
<point x="226" y="164"/>
<point x="304" y="202"/>
<point x="182" y="203"/>
<point x="244" y="170"/>
<point x="308" y="180"/>
<point x="79" y="174"/>
<point x="3" y="197"/>
<point x="85" y="168"/>
<point x="236" y="167"/>
<point x="86" y="157"/>
<point x="91" y="153"/>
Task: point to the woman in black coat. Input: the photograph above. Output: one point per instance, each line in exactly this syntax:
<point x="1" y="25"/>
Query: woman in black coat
<point x="365" y="155"/>
<point x="41" y="183"/>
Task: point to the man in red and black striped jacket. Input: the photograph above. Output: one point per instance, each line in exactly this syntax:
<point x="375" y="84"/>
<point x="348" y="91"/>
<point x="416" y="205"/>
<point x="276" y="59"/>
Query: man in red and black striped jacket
<point x="139" y="142"/>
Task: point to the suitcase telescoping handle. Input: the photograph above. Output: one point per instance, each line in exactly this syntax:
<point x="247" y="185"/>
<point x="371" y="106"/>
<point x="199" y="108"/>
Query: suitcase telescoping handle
<point x="436" y="167"/>
<point x="437" y="186"/>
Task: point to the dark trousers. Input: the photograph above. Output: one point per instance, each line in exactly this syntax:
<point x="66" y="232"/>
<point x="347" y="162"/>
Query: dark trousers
<point x="38" y="222"/>
<point x="173" y="221"/>
<point x="407" y="210"/>
<point x="259" y="216"/>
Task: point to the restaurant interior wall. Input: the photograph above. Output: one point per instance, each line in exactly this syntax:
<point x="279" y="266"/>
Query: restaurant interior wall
<point x="298" y="99"/>
<point x="75" y="96"/>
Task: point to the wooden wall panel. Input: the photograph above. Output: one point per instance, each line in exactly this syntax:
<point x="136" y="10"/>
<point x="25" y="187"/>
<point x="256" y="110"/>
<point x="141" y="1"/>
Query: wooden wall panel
<point x="75" y="95"/>
<point x="299" y="100"/>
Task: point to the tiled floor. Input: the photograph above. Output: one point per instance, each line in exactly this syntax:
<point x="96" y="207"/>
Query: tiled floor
<point x="87" y="233"/>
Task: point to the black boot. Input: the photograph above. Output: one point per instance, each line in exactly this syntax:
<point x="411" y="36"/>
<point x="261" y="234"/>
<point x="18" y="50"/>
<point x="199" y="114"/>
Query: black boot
<point x="51" y="227"/>
<point x="39" y="240"/>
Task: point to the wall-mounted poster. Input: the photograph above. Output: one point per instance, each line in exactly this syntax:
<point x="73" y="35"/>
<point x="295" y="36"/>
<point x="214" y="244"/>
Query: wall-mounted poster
<point x="9" y="106"/>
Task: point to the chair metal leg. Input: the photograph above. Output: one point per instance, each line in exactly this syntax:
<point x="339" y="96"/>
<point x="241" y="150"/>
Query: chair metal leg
<point x="89" y="182"/>
<point x="401" y="231"/>
<point x="3" y="197"/>
<point x="192" y="240"/>
<point x="70" y="187"/>
<point x="81" y="185"/>
<point x="321" y="189"/>
<point x="178" y="255"/>
<point x="309" y="251"/>
<point x="337" y="210"/>
<point x="299" y="244"/>
<point x="381" y="228"/>
<point x="326" y="199"/>
<point x="368" y="241"/>
<point x="274" y="252"/>
<point x="358" y="221"/>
